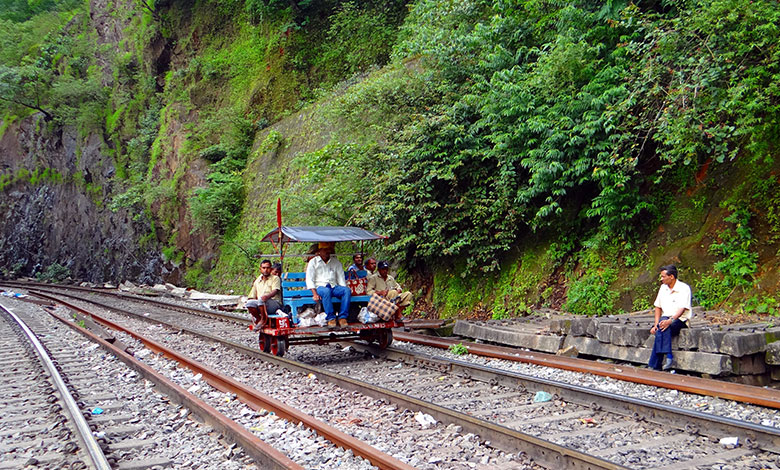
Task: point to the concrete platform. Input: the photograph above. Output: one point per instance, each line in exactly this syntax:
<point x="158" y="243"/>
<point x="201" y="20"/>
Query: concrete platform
<point x="734" y="350"/>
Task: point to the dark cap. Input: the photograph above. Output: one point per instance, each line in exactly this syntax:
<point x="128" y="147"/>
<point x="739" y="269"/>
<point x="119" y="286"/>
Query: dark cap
<point x="382" y="265"/>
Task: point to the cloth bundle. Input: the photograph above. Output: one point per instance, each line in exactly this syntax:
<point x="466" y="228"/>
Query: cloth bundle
<point x="382" y="307"/>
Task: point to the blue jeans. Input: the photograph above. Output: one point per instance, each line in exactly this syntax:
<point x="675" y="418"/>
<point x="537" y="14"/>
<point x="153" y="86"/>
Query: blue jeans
<point x="340" y="292"/>
<point x="663" y="343"/>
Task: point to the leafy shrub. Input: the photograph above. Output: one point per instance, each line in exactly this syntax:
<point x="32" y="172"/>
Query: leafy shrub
<point x="591" y="293"/>
<point x="217" y="208"/>
<point x="549" y="109"/>
<point x="214" y="153"/>
<point x="711" y="291"/>
<point x="358" y="37"/>
<point x="334" y="184"/>
<point x="53" y="273"/>
<point x="740" y="262"/>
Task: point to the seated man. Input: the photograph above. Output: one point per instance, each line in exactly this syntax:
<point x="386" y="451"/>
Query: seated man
<point x="357" y="263"/>
<point x="672" y="312"/>
<point x="383" y="284"/>
<point x="266" y="291"/>
<point x="370" y="267"/>
<point x="325" y="279"/>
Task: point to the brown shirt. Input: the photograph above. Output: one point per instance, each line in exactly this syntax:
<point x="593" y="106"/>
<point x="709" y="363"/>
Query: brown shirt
<point x="262" y="287"/>
<point x="376" y="283"/>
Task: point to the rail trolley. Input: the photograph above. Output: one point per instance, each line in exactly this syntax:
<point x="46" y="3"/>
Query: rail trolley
<point x="276" y="333"/>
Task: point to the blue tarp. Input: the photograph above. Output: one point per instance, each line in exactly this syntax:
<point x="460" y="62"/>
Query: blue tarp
<point x="321" y="234"/>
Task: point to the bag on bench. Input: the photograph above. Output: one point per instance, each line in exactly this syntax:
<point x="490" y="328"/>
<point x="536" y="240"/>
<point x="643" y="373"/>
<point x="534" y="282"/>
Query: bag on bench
<point x="356" y="284"/>
<point x="382" y="307"/>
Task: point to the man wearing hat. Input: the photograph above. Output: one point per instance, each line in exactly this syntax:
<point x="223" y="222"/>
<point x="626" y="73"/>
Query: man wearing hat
<point x="383" y="284"/>
<point x="325" y="279"/>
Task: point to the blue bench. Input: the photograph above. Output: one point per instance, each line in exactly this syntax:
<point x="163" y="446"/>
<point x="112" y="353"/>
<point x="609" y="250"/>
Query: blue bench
<point x="296" y="295"/>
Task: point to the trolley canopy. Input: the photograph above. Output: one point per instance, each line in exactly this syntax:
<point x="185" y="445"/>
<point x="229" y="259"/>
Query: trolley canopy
<point x="320" y="234"/>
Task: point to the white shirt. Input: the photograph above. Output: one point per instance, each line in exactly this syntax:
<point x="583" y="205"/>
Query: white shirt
<point x="672" y="300"/>
<point x="320" y="273"/>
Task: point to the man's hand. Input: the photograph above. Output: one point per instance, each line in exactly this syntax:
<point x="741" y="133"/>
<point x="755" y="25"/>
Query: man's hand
<point x="383" y="293"/>
<point x="664" y="324"/>
<point x="653" y="330"/>
<point x="316" y="297"/>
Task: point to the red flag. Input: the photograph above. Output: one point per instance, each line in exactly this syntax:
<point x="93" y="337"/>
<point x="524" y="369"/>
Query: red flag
<point x="279" y="216"/>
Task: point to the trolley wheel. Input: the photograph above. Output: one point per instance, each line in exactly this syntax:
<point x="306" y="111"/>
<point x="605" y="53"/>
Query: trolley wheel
<point x="367" y="336"/>
<point x="385" y="338"/>
<point x="265" y="342"/>
<point x="278" y="345"/>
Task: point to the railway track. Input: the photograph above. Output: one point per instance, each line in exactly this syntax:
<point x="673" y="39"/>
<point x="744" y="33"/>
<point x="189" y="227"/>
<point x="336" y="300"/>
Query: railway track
<point x="39" y="401"/>
<point x="171" y="430"/>
<point x="625" y="432"/>
<point x="732" y="391"/>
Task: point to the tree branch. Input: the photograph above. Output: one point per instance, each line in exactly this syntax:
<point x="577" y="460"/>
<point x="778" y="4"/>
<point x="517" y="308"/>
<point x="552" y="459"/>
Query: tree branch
<point x="48" y="115"/>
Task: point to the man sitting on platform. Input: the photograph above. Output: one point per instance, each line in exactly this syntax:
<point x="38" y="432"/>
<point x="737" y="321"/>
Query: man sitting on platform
<point x="370" y="267"/>
<point x="266" y="291"/>
<point x="383" y="284"/>
<point x="672" y="312"/>
<point x="357" y="263"/>
<point x="325" y="279"/>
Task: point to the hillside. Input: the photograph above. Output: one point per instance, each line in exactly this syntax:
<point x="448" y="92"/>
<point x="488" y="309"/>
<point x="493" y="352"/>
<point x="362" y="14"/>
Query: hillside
<point x="519" y="155"/>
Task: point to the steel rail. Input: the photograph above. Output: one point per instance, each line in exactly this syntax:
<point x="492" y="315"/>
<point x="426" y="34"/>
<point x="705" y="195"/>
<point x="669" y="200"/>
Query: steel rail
<point x="92" y="447"/>
<point x="262" y="453"/>
<point x="249" y="395"/>
<point x="541" y="451"/>
<point x="768" y="438"/>
<point x="224" y="316"/>
<point x="716" y="388"/>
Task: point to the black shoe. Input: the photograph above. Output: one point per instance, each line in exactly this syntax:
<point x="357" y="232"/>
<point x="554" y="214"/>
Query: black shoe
<point x="667" y="363"/>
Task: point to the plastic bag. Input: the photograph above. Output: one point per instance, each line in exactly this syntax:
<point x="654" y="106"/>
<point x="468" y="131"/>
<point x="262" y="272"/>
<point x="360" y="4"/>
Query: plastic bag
<point x="308" y="313"/>
<point x="306" y="322"/>
<point x="367" y="317"/>
<point x="321" y="319"/>
<point x="542" y="396"/>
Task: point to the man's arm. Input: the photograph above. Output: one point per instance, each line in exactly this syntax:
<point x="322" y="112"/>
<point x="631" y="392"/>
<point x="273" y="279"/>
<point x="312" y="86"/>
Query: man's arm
<point x="340" y="274"/>
<point x="276" y="287"/>
<point x="655" y="322"/>
<point x="311" y="272"/>
<point x="393" y="284"/>
<point x="371" y="286"/>
<point x="668" y="322"/>
<point x="253" y="292"/>
<point x="269" y="295"/>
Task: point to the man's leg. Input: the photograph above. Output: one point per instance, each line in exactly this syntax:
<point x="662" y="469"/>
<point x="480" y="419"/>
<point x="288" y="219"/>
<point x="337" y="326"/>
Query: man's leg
<point x="327" y="302"/>
<point x="404" y="298"/>
<point x="272" y="306"/>
<point x="656" y="357"/>
<point x="674" y="330"/>
<point x="257" y="309"/>
<point x="344" y="294"/>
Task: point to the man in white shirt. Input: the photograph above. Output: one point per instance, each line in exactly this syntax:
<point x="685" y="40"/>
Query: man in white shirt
<point x="325" y="279"/>
<point x="672" y="312"/>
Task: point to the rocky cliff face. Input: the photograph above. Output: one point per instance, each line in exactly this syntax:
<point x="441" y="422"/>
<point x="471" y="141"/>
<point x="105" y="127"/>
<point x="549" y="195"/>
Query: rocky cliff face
<point x="56" y="185"/>
<point x="54" y="210"/>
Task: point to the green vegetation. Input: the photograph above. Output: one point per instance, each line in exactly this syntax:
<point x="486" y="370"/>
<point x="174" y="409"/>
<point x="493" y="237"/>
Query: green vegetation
<point x="518" y="154"/>
<point x="458" y="349"/>
<point x="53" y="273"/>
